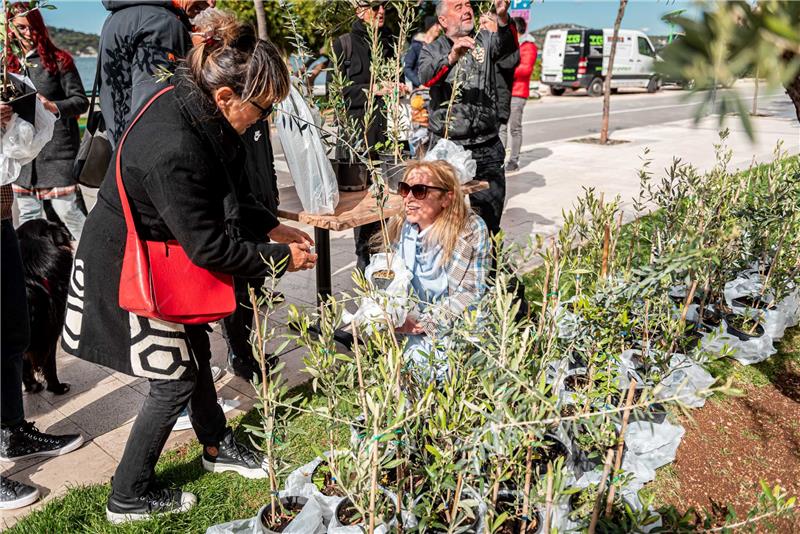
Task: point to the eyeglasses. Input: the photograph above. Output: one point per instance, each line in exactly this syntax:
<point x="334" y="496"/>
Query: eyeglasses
<point x="265" y="111"/>
<point x="420" y="191"/>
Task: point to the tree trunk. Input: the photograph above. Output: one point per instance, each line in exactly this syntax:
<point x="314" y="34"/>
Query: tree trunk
<point x="607" y="82"/>
<point x="793" y="86"/>
<point x="261" y="19"/>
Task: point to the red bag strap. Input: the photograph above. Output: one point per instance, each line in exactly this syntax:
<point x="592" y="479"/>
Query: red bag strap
<point x="123" y="196"/>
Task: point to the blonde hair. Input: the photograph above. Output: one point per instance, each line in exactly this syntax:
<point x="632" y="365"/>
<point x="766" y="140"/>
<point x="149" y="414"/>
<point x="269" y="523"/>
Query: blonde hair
<point x="231" y="55"/>
<point x="447" y="227"/>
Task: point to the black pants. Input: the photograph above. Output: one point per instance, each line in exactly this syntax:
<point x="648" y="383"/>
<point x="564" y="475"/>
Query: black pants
<point x="489" y="203"/>
<point x="237" y="326"/>
<point x="363" y="236"/>
<point x="167" y="398"/>
<point x="15" y="334"/>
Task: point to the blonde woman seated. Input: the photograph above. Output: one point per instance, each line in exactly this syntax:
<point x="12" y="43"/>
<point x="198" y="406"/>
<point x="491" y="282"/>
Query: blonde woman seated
<point x="445" y="246"/>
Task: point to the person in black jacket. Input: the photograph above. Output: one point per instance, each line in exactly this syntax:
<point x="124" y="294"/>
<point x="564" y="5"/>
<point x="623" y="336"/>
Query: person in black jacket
<point x="179" y="165"/>
<point x="140" y="44"/>
<point x="353" y="56"/>
<point x="261" y="182"/>
<point x="53" y="74"/>
<point x="472" y="121"/>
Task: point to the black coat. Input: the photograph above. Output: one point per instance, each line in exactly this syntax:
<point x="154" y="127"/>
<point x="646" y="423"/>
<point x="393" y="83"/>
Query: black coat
<point x="53" y="166"/>
<point x="139" y="38"/>
<point x="356" y="68"/>
<point x="181" y="164"/>
<point x="473" y="118"/>
<point x="505" y="81"/>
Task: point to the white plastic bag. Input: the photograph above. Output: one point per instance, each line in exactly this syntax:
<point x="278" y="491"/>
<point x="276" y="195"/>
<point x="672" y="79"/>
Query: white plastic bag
<point x="393" y="303"/>
<point x="455" y="155"/>
<point x="22" y="141"/>
<point x="685" y="378"/>
<point x="650" y="446"/>
<point x="306" y="157"/>
<point x="775" y="320"/>
<point x="307" y="521"/>
<point x="745" y="352"/>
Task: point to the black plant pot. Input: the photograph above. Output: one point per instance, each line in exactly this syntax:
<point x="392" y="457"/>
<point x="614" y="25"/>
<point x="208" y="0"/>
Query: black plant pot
<point x="744" y="336"/>
<point x="290" y="504"/>
<point x="350" y="176"/>
<point x="749" y="301"/>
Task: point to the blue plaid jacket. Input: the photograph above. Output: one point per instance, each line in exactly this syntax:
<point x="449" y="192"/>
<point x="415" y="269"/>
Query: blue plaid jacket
<point x="466" y="276"/>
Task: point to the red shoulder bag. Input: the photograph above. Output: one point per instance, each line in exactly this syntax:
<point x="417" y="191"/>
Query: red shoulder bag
<point x="159" y="280"/>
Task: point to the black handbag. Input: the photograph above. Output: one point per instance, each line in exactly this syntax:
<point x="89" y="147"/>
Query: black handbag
<point x="94" y="152"/>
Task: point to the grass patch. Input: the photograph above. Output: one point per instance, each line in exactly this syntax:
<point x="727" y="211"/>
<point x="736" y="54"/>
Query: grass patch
<point x="221" y="497"/>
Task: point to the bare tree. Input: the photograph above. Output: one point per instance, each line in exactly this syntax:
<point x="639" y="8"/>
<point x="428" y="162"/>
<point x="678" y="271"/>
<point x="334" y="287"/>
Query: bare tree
<point x="261" y="19"/>
<point x="607" y="82"/>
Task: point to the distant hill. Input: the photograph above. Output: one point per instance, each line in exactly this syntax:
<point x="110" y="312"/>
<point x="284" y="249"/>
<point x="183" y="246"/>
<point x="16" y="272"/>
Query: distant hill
<point x="76" y="43"/>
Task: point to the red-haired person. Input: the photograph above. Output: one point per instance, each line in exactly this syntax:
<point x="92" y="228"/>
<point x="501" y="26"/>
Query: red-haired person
<point x="53" y="74"/>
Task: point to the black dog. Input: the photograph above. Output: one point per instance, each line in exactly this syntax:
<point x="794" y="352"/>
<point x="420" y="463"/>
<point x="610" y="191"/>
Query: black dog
<point x="47" y="261"/>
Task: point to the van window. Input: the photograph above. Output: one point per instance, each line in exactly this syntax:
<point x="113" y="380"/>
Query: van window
<point x="644" y="47"/>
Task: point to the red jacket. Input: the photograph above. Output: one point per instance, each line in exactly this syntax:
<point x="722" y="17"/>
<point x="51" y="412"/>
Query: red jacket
<point x="522" y="74"/>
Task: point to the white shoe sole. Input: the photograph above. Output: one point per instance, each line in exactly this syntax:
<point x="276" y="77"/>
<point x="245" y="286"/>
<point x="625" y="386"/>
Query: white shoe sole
<point x="188" y="500"/>
<point x="184" y="423"/>
<point x="246" y="472"/>
<point x="21" y="503"/>
<point x="58" y="452"/>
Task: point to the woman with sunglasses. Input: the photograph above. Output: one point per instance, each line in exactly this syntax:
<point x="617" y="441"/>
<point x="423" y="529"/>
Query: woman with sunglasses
<point x="179" y="164"/>
<point x="447" y="249"/>
<point x="53" y="73"/>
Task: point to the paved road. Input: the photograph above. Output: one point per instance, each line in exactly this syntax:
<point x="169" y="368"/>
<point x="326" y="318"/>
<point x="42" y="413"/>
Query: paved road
<point x="577" y="114"/>
<point x="553" y="118"/>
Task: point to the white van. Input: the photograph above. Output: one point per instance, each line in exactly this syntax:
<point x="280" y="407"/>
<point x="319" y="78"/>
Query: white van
<point x="579" y="58"/>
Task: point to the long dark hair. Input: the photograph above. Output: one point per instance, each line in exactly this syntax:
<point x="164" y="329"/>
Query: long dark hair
<point x="53" y="58"/>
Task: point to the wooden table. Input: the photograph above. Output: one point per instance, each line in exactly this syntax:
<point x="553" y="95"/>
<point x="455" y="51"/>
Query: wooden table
<point x="355" y="208"/>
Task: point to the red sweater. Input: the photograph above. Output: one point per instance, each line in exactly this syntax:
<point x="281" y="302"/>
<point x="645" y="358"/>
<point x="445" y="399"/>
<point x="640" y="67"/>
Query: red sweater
<point x="522" y="74"/>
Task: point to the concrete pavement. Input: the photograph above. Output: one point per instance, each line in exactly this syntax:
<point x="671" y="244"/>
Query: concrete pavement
<point x="102" y="403"/>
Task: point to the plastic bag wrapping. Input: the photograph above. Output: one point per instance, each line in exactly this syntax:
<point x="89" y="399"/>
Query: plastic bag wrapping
<point x="393" y="302"/>
<point x="21" y="142"/>
<point x="455" y="155"/>
<point x="566" y="321"/>
<point x="306" y="157"/>
<point x="745" y="352"/>
<point x="775" y="320"/>
<point x="649" y="446"/>
<point x="335" y="527"/>
<point x="685" y="378"/>
<point x="629" y="364"/>
<point x="790" y="307"/>
<point x="307" y="521"/>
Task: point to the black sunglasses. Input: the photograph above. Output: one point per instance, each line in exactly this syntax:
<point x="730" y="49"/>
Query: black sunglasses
<point x="265" y="111"/>
<point x="420" y="191"/>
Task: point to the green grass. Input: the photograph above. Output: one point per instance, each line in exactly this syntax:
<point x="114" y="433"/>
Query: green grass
<point x="221" y="497"/>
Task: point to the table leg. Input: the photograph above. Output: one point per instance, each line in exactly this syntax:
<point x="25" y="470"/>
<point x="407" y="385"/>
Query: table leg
<point x="322" y="239"/>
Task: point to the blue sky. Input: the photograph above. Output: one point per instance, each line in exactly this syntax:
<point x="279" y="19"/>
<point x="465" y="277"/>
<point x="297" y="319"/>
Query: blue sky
<point x="88" y="16"/>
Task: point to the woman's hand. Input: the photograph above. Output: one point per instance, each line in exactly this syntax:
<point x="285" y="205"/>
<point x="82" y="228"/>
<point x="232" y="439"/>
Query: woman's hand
<point x="301" y="257"/>
<point x="411" y="326"/>
<point x="48" y="105"/>
<point x="283" y="233"/>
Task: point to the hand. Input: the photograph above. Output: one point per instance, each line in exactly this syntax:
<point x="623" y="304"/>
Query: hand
<point x="501" y="8"/>
<point x="489" y="22"/>
<point x="48" y="105"/>
<point x="461" y="46"/>
<point x="5" y="114"/>
<point x="411" y="326"/>
<point x="301" y="257"/>
<point x="283" y="233"/>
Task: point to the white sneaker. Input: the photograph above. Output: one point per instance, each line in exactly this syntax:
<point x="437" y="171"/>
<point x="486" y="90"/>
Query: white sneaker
<point x="184" y="423"/>
<point x="216" y="373"/>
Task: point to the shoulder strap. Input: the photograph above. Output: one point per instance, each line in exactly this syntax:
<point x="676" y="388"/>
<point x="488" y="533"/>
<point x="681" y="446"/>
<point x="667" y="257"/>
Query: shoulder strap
<point x="91" y="120"/>
<point x="123" y="196"/>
